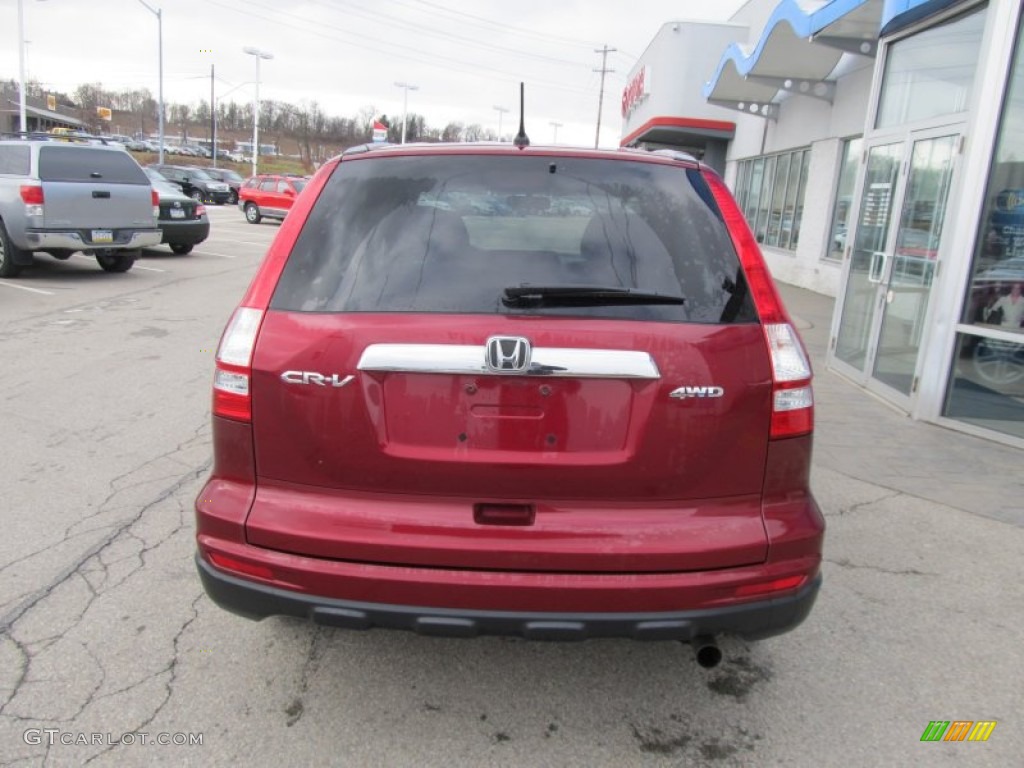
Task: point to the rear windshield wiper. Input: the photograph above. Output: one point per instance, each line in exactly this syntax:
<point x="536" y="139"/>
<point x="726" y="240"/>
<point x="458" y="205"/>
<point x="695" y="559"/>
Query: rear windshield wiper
<point x="581" y="296"/>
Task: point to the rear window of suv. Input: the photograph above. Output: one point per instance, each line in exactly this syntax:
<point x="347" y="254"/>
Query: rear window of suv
<point x="450" y="233"/>
<point x="89" y="164"/>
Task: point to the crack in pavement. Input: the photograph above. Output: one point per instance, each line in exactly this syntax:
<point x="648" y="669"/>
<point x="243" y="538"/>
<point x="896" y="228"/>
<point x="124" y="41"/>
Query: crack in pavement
<point x="861" y="504"/>
<point x="102" y="508"/>
<point x="8" y="621"/>
<point x="171" y="669"/>
<point x="297" y="708"/>
<point x="846" y="563"/>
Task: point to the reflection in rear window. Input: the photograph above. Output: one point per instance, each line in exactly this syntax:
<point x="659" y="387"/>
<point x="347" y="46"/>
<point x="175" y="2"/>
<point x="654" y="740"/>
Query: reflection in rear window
<point x="66" y="163"/>
<point x="450" y="233"/>
<point x="15" y="161"/>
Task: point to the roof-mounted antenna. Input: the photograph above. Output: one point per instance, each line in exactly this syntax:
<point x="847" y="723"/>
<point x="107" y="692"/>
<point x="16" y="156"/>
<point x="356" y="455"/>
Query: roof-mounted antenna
<point x="521" y="140"/>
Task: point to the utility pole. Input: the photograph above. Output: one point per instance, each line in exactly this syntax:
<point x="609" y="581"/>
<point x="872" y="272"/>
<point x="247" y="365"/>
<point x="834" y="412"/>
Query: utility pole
<point x="604" y="51"/>
<point x="213" y="122"/>
<point x="556" y="126"/>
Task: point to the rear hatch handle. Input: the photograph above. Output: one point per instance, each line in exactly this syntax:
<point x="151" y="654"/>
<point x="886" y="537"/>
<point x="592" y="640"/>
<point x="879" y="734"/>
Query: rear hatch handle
<point x="99" y="193"/>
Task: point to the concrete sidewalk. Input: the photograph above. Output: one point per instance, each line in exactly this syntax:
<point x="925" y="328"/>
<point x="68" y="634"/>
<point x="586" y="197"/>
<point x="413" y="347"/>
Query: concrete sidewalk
<point x="861" y="437"/>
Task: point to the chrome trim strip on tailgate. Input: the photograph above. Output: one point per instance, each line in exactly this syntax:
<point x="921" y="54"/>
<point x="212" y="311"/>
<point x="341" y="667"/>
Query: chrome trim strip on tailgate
<point x="545" y="361"/>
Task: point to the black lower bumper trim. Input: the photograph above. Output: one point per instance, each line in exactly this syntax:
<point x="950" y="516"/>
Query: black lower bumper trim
<point x="750" y="620"/>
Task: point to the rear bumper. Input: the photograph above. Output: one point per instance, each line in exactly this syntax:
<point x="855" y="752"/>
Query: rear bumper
<point x="750" y="619"/>
<point x="78" y="240"/>
<point x="184" y="232"/>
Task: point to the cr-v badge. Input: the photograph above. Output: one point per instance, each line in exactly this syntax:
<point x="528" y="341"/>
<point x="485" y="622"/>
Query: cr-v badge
<point x="310" y="377"/>
<point x="685" y="392"/>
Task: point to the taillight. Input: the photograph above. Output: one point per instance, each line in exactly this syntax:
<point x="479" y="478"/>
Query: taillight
<point x="232" y="396"/>
<point x="200" y="210"/>
<point x="32" y="197"/>
<point x="792" y="398"/>
<point x="155" y="199"/>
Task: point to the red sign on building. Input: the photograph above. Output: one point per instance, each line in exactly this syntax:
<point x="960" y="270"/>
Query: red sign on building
<point x="636" y="90"/>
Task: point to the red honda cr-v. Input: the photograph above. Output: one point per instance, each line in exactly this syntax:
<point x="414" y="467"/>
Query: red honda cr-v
<point x="499" y="390"/>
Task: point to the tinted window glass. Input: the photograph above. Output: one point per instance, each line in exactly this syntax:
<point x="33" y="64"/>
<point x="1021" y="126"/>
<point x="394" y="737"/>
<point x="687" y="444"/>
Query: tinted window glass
<point x="88" y="164"/>
<point x="268" y="186"/>
<point x="282" y="187"/>
<point x="448" y="234"/>
<point x="299" y="184"/>
<point x="15" y="160"/>
<point x="195" y="173"/>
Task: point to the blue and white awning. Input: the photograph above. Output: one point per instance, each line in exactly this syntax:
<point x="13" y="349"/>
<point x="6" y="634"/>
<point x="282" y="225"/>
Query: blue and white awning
<point x="799" y="48"/>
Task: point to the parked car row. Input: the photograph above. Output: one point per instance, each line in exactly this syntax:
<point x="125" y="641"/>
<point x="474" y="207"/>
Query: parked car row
<point x="59" y="197"/>
<point x="60" y="194"/>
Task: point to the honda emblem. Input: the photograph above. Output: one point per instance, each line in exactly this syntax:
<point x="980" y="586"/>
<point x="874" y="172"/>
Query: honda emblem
<point x="507" y="354"/>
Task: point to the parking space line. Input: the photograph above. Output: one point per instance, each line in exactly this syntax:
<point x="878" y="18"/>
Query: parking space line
<point x="136" y="265"/>
<point x="9" y="284"/>
<point x="211" y="253"/>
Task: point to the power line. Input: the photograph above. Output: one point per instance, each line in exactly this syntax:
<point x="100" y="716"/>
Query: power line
<point x="506" y="27"/>
<point x="380" y="17"/>
<point x="396" y="51"/>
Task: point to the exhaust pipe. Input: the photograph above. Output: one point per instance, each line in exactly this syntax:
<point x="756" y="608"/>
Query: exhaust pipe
<point x="708" y="653"/>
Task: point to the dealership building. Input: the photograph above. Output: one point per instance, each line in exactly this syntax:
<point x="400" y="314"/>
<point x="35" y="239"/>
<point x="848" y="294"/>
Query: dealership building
<point x="877" y="150"/>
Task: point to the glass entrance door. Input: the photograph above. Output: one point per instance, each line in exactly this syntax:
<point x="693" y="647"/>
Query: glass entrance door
<point x="893" y="261"/>
<point x="868" y="256"/>
<point x="908" y="282"/>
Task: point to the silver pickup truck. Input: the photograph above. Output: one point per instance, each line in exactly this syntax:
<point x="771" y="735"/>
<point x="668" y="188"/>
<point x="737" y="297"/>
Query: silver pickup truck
<point x="58" y="197"/>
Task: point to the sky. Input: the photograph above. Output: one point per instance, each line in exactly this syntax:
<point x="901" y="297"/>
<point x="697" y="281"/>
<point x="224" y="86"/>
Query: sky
<point x="466" y="58"/>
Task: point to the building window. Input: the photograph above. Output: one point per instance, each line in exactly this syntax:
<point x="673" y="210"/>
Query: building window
<point x="752" y="192"/>
<point x="771" y="193"/>
<point x="844" y="198"/>
<point x="931" y="73"/>
<point x="987" y="380"/>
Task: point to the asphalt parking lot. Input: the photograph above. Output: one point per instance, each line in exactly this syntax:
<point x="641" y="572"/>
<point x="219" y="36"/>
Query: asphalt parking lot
<point x="107" y="635"/>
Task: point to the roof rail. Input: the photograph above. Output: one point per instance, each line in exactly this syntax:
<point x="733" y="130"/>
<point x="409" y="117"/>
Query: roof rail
<point x="675" y="154"/>
<point x="77" y="136"/>
<point x="359" y="149"/>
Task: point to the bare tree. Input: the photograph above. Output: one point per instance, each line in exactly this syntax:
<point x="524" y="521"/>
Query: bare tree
<point x="474" y="132"/>
<point x="452" y="132"/>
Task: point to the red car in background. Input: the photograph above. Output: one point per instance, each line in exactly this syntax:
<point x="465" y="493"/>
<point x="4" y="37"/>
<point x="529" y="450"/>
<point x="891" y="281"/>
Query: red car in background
<point x="269" y="196"/>
<point x="496" y="389"/>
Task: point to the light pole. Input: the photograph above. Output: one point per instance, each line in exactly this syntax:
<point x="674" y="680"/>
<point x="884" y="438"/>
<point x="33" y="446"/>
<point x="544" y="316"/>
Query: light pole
<point x="556" y="126"/>
<point x="405" y="103"/>
<point x="501" y="111"/>
<point x="158" y="12"/>
<point x="21" y="65"/>
<point x="256" y="104"/>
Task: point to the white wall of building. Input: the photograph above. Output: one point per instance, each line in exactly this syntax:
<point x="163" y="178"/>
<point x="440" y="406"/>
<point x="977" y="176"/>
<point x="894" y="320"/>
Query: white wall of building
<point x="681" y="58"/>
<point x="815" y="123"/>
